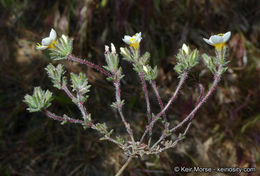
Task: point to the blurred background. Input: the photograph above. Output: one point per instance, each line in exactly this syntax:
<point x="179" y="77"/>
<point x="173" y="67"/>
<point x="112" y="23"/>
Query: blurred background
<point x="225" y="132"/>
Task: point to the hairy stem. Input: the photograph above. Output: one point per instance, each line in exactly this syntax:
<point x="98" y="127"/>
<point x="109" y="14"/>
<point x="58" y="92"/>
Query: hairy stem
<point x="119" y="108"/>
<point x="85" y="62"/>
<point x="61" y="119"/>
<point x="217" y="78"/>
<point x="71" y="120"/>
<point x="151" y="124"/>
<point x="153" y="83"/>
<point x="148" y="107"/>
<point x="148" y="127"/>
<point x="79" y="104"/>
<point x="144" y="86"/>
<point x="183" y="77"/>
<point x="192" y="113"/>
<point x="124" y="166"/>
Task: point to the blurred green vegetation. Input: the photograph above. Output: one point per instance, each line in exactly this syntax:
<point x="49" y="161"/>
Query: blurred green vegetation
<point x="225" y="132"/>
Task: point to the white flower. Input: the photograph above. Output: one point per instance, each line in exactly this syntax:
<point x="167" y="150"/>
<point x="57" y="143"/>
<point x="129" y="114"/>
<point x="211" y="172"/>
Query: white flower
<point x="133" y="41"/>
<point x="48" y="42"/>
<point x="218" y="41"/>
<point x="186" y="49"/>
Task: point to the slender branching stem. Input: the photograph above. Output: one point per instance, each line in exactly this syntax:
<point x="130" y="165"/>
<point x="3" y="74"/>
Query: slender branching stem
<point x="79" y="104"/>
<point x="187" y="129"/>
<point x="199" y="100"/>
<point x="183" y="77"/>
<point x="61" y="119"/>
<point x="119" y="108"/>
<point x="71" y="120"/>
<point x="144" y="86"/>
<point x="148" y="107"/>
<point x="192" y="113"/>
<point x="124" y="166"/>
<point x="90" y="64"/>
<point x="153" y="84"/>
<point x="217" y="78"/>
<point x="68" y="92"/>
<point x="147" y="128"/>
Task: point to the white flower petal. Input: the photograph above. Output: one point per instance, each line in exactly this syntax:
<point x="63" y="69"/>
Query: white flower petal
<point x="41" y="47"/>
<point x="216" y="39"/>
<point x="138" y="37"/>
<point x="53" y="34"/>
<point x="126" y="39"/>
<point x="208" y="41"/>
<point x="226" y="36"/>
<point x="46" y="41"/>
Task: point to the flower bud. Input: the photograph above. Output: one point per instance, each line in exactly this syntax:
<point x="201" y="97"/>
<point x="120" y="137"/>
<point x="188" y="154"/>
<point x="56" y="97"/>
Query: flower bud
<point x="113" y="49"/>
<point x="145" y="69"/>
<point x="186" y="49"/>
<point x="107" y="49"/>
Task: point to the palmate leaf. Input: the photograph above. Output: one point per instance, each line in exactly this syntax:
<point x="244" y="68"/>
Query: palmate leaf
<point x="39" y="100"/>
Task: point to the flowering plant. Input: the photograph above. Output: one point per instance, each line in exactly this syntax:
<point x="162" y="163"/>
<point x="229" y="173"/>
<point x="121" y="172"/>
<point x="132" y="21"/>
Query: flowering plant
<point x="131" y="146"/>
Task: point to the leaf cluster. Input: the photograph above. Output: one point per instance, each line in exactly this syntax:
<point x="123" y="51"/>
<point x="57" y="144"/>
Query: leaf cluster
<point x="186" y="60"/>
<point x="62" y="49"/>
<point x="39" y="100"/>
<point x="57" y="75"/>
<point x="79" y="83"/>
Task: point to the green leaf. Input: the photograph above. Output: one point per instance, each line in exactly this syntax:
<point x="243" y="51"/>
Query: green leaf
<point x="62" y="49"/>
<point x="39" y="100"/>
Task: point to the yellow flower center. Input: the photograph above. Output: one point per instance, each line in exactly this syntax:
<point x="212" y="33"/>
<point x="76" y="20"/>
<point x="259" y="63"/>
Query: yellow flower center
<point x="134" y="45"/>
<point x="132" y="40"/>
<point x="51" y="45"/>
<point x="220" y="34"/>
<point x="219" y="46"/>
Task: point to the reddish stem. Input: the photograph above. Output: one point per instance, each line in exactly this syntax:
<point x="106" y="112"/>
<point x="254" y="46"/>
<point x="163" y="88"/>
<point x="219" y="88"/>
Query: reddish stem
<point x="62" y="119"/>
<point x="151" y="124"/>
<point x="191" y="115"/>
<point x="184" y="76"/>
<point x="159" y="101"/>
<point x="148" y="108"/>
<point x="85" y="62"/>
<point x="119" y="108"/>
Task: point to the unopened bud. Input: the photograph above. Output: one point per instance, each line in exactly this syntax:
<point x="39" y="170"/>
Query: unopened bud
<point x="145" y="68"/>
<point x="107" y="49"/>
<point x="113" y="49"/>
<point x="186" y="49"/>
<point x="123" y="51"/>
